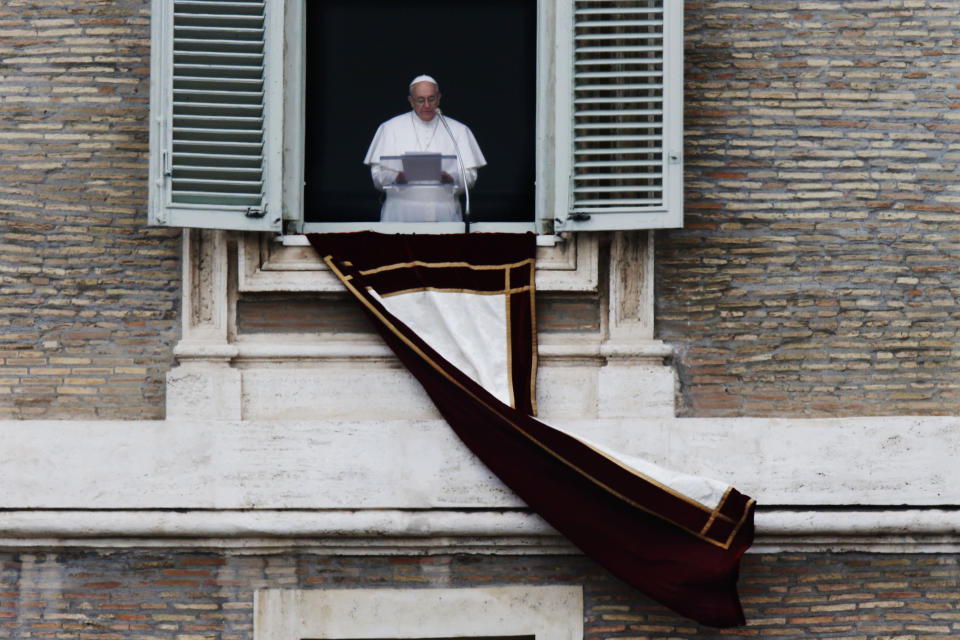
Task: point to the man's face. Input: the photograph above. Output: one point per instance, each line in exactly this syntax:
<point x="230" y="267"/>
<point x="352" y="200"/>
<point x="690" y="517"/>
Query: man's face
<point x="424" y="98"/>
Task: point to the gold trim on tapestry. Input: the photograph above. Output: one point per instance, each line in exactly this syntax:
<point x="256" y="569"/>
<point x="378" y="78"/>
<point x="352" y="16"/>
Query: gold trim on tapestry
<point x="706" y="508"/>
<point x="739" y="524"/>
<point x="509" y="328"/>
<point x="716" y="512"/>
<point x="611" y="490"/>
<point x="443" y="265"/>
<point x="533" y="340"/>
<point x="445" y="290"/>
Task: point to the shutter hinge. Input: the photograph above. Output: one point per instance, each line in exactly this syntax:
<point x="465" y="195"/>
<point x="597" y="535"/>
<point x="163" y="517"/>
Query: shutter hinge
<point x="253" y="212"/>
<point x="573" y="217"/>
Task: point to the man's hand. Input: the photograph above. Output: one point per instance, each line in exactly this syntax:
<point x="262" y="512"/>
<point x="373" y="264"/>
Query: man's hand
<point x="445" y="178"/>
<point x="401" y="179"/>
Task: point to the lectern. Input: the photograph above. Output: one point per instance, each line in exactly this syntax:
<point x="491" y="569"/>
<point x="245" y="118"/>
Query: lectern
<point x="423" y="196"/>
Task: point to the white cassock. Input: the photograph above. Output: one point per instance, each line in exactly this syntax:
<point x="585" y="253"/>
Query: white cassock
<point x="408" y="133"/>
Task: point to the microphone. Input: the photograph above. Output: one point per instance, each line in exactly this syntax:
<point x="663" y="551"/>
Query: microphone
<point x="463" y="173"/>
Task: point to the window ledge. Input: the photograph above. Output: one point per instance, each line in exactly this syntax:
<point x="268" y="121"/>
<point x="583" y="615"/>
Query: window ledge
<point x="300" y="240"/>
<point x="338" y="347"/>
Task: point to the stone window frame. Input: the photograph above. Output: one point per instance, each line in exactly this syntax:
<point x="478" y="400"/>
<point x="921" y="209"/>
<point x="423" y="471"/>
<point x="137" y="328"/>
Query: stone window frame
<point x="553" y="612"/>
<point x="220" y="266"/>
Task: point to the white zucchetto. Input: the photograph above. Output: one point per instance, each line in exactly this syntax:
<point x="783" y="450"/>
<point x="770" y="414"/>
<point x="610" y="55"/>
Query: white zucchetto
<point x="424" y="78"/>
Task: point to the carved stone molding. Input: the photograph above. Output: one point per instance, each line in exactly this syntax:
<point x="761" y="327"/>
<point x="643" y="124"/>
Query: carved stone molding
<point x="631" y="302"/>
<point x="401" y="532"/>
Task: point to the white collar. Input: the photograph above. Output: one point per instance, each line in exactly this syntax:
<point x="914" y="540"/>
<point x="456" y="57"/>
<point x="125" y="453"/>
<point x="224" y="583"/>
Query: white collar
<point x="424" y="124"/>
<point x="429" y="129"/>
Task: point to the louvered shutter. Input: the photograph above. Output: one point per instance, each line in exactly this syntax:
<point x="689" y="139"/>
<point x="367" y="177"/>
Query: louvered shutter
<point x="216" y="114"/>
<point x="621" y="166"/>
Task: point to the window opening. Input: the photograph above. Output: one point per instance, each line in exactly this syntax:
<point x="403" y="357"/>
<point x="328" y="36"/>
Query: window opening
<point x="355" y="83"/>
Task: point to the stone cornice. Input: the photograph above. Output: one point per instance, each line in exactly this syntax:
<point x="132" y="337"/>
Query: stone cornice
<point x="392" y="531"/>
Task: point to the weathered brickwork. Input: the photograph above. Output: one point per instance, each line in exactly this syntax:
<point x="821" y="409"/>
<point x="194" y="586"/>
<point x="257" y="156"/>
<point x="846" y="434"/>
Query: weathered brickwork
<point x="817" y="273"/>
<point x="88" y="293"/>
<point x="194" y="596"/>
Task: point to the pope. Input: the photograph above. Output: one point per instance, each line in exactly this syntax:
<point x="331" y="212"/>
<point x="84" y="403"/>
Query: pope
<point x="423" y="129"/>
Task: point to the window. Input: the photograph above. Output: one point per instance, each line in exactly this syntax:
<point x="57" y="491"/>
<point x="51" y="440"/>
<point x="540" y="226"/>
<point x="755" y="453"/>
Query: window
<point x="530" y="613"/>
<point x="228" y="94"/>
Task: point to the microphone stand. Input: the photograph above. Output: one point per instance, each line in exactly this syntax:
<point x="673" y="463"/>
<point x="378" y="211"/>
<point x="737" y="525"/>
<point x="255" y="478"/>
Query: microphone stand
<point x="463" y="173"/>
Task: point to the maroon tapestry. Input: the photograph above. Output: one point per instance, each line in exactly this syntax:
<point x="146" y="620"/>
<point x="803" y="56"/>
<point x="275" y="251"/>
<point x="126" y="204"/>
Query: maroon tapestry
<point x="632" y="517"/>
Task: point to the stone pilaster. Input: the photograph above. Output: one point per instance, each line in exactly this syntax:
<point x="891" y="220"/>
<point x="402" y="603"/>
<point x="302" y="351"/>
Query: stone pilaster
<point x="204" y="385"/>
<point x="634" y="380"/>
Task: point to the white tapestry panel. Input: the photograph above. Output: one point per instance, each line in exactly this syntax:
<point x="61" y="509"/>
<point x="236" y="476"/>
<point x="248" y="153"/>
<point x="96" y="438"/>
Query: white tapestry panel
<point x="706" y="491"/>
<point x="469" y="330"/>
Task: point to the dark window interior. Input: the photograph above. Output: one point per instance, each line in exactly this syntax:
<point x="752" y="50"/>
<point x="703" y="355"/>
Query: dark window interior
<point x="361" y="54"/>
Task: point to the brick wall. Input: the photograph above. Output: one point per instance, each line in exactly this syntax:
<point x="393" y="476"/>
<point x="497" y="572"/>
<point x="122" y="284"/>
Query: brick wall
<point x="817" y="273"/>
<point x="88" y="293"/>
<point x="194" y="596"/>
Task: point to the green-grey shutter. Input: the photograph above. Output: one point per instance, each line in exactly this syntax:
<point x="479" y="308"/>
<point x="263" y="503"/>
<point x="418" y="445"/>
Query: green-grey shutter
<point x="623" y="168"/>
<point x="216" y="128"/>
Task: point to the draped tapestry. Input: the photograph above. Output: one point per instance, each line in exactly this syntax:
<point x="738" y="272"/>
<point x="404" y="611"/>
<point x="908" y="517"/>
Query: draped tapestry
<point x="458" y="311"/>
